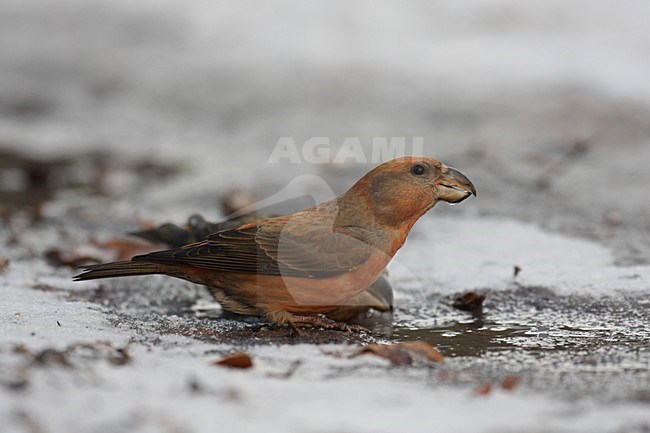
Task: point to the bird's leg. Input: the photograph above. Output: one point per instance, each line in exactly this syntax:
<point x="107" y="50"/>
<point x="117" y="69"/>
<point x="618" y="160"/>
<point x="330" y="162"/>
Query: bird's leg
<point x="325" y="323"/>
<point x="294" y="329"/>
<point x="280" y="317"/>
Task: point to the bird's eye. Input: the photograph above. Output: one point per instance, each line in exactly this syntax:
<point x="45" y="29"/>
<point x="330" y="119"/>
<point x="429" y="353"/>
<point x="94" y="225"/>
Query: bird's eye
<point x="418" y="170"/>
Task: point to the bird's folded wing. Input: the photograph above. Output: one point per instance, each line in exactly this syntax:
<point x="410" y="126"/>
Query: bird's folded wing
<point x="318" y="252"/>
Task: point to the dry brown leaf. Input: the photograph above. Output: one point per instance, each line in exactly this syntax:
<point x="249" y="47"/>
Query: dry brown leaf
<point x="45" y="287"/>
<point x="55" y="257"/>
<point x="403" y="353"/>
<point x="288" y="372"/>
<point x="395" y="355"/>
<point x="52" y="357"/>
<point x="146" y="224"/>
<point x="237" y="360"/>
<point x="99" y="350"/>
<point x="4" y="263"/>
<point x="510" y="383"/>
<point x="125" y="249"/>
<point x="507" y="384"/>
<point x="470" y="301"/>
<point x="484" y="389"/>
<point x="237" y="199"/>
<point x="424" y="349"/>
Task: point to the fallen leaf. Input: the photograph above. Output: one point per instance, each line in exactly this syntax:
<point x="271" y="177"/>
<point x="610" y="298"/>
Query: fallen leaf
<point x="470" y="301"/>
<point x="21" y="349"/>
<point x="4" y="263"/>
<point x="510" y="383"/>
<point x="98" y="350"/>
<point x="289" y="371"/>
<point x="424" y="350"/>
<point x="237" y="199"/>
<point x="55" y="257"/>
<point x="335" y="354"/>
<point x="237" y="360"/>
<point x="146" y="224"/>
<point x="45" y="287"/>
<point x="125" y="249"/>
<point x="114" y="355"/>
<point x="395" y="355"/>
<point x="484" y="389"/>
<point x="403" y="353"/>
<point x="52" y="357"/>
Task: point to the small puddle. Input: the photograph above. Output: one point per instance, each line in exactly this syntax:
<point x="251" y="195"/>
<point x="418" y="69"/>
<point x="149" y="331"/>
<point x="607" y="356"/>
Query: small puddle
<point x="529" y="324"/>
<point x="475" y="338"/>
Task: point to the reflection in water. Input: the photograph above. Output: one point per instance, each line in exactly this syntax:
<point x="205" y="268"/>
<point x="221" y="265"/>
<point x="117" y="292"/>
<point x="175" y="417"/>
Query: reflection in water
<point x="527" y="324"/>
<point x="474" y="338"/>
<point x="471" y="337"/>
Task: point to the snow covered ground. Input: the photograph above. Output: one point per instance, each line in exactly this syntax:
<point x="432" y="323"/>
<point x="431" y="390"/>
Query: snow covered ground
<point x="545" y="106"/>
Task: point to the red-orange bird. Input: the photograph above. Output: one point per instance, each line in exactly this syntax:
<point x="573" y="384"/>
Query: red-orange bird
<point x="291" y="268"/>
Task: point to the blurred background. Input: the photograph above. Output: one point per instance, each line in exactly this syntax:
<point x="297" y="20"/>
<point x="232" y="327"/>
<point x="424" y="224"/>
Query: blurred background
<point x="538" y="103"/>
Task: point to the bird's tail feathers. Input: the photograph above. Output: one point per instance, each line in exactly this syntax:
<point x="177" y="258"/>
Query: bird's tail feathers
<point x="126" y="268"/>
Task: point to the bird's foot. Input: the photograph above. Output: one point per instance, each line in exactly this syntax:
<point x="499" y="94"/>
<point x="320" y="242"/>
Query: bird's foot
<point x="324" y="323"/>
<point x="295" y="330"/>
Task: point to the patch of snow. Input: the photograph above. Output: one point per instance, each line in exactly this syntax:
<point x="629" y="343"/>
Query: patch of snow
<point x="448" y="255"/>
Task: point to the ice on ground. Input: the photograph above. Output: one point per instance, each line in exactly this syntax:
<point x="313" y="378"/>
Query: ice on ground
<point x="171" y="384"/>
<point x="449" y="255"/>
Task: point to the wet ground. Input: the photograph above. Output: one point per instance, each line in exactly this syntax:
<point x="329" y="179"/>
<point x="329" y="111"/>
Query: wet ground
<point x="564" y="335"/>
<point x="566" y="346"/>
<point x="572" y="345"/>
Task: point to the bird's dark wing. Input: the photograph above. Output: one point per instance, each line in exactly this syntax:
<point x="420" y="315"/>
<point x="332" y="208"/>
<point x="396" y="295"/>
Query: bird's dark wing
<point x="275" y="250"/>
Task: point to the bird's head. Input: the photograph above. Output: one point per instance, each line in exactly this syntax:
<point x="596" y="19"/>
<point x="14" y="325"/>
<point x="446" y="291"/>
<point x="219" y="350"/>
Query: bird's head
<point x="403" y="189"/>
